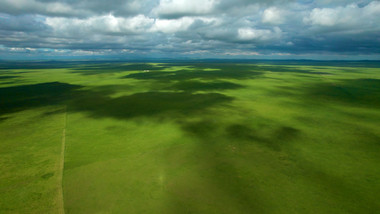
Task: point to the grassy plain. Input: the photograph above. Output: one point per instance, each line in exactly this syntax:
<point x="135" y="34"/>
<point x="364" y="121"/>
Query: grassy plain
<point x="189" y="138"/>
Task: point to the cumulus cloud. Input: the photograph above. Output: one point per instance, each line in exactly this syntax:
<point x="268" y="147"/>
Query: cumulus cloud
<point x="172" y="25"/>
<point x="100" y="24"/>
<point x="195" y="28"/>
<point x="273" y="15"/>
<point x="252" y="34"/>
<point x="347" y="16"/>
<point x="180" y="8"/>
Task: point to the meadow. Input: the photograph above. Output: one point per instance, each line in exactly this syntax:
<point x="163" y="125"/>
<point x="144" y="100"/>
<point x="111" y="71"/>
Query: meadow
<point x="189" y="137"/>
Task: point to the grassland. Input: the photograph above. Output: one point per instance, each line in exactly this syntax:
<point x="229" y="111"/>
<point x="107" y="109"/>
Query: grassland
<point x="189" y="138"/>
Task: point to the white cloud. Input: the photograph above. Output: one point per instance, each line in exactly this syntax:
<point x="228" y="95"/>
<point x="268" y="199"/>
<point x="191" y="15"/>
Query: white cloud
<point x="109" y="24"/>
<point x="242" y="53"/>
<point x="252" y="34"/>
<point x="84" y="52"/>
<point x="273" y="15"/>
<point x="326" y="17"/>
<point x="60" y="51"/>
<point x="17" y="49"/>
<point x="172" y="25"/>
<point x="103" y="24"/>
<point x="196" y="52"/>
<point x="177" y="8"/>
<point x="348" y="16"/>
<point x="281" y="54"/>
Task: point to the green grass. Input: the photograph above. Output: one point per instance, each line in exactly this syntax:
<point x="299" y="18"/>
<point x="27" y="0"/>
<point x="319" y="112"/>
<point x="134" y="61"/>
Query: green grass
<point x="190" y="138"/>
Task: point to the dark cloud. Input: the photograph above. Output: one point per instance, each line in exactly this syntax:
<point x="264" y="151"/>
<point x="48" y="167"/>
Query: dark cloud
<point x="75" y="8"/>
<point x="197" y="28"/>
<point x="24" y="23"/>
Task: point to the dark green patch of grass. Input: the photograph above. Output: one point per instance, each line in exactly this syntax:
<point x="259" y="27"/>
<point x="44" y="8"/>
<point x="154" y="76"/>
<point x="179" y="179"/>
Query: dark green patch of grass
<point x="359" y="92"/>
<point x="23" y="97"/>
<point x="196" y="74"/>
<point x="146" y="104"/>
<point x="114" y="68"/>
<point x="7" y="77"/>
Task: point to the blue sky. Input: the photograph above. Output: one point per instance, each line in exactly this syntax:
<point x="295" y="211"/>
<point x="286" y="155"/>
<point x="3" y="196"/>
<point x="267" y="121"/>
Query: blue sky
<point x="130" y="29"/>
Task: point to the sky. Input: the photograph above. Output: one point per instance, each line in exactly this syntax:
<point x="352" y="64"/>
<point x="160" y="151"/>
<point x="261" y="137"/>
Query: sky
<point x="246" y="29"/>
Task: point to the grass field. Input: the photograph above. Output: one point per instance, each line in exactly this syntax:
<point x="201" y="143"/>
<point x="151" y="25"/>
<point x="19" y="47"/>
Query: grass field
<point x="189" y="138"/>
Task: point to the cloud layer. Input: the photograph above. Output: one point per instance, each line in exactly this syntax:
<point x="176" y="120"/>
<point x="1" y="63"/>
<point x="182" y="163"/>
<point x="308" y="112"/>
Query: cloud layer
<point x="196" y="28"/>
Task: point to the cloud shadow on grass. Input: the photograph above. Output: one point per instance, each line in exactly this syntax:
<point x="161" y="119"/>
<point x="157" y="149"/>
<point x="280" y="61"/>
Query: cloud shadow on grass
<point x="276" y="139"/>
<point x="107" y="68"/>
<point x="7" y="77"/>
<point x="357" y="92"/>
<point x="219" y="165"/>
<point x="19" y="98"/>
<point x="98" y="103"/>
<point x="197" y="73"/>
<point x="215" y="71"/>
<point x="223" y="172"/>
<point x="164" y="104"/>
<point x="249" y="67"/>
<point x="203" y="86"/>
<point x="286" y="69"/>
